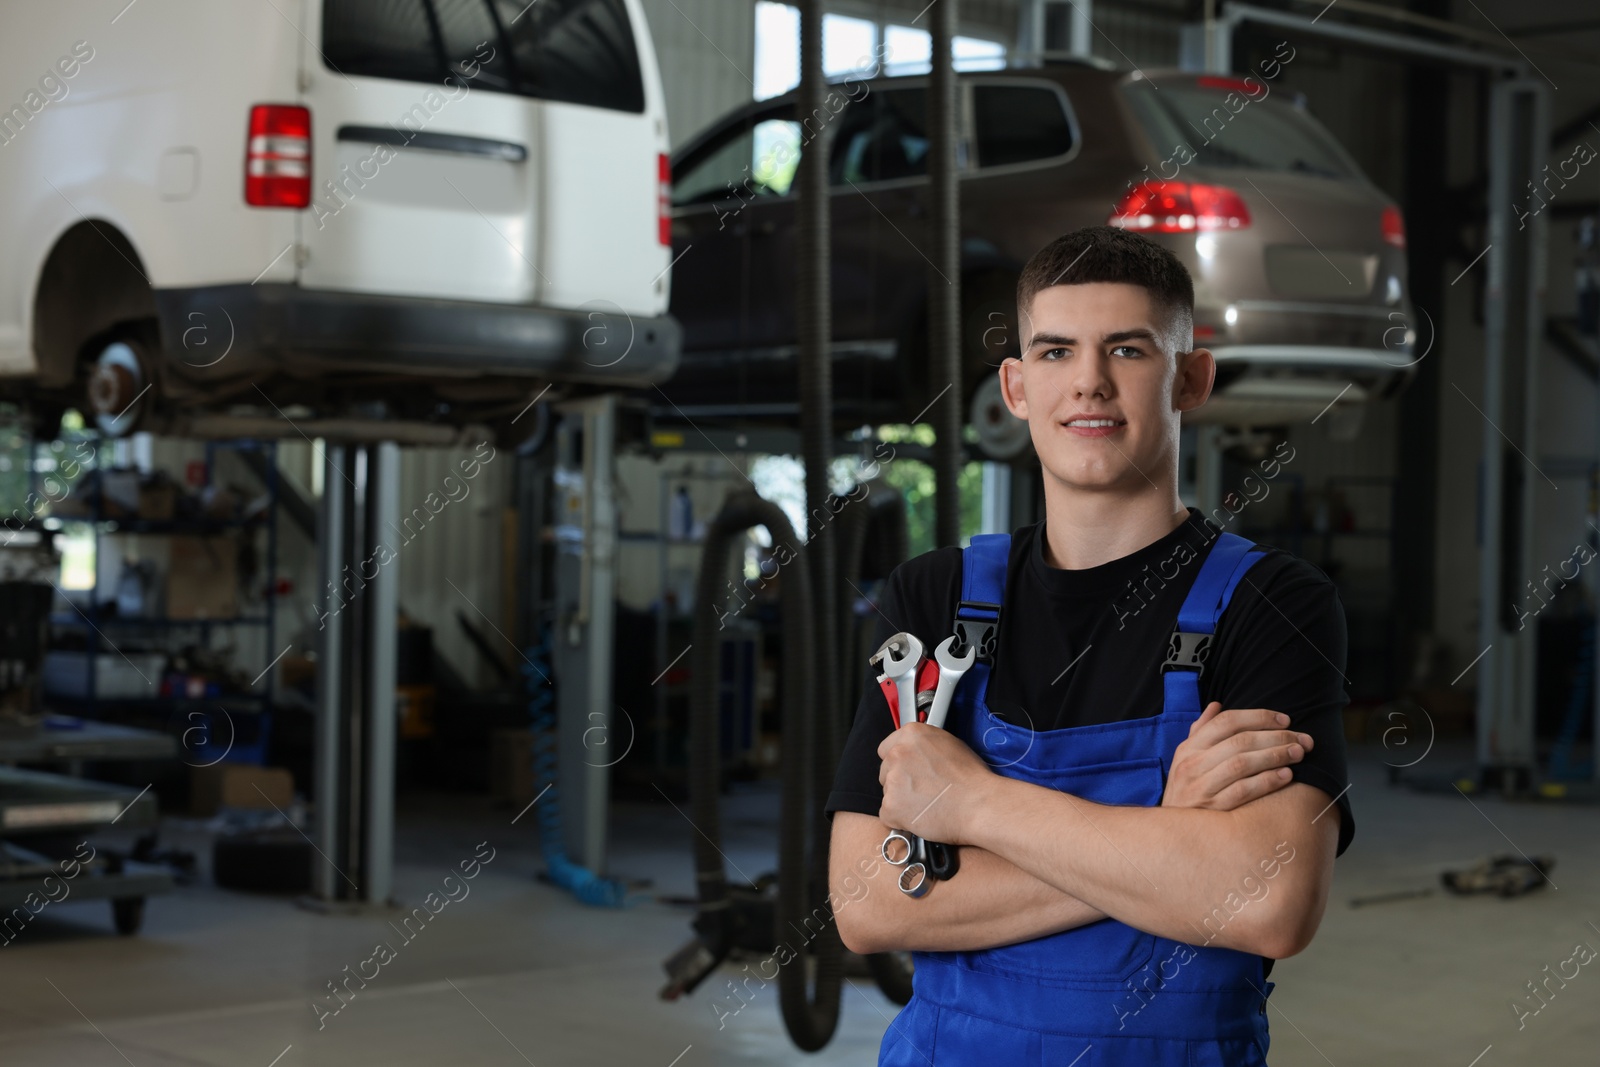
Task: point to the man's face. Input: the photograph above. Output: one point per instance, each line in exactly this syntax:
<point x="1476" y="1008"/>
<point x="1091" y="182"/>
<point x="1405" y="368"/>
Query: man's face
<point x="1102" y="381"/>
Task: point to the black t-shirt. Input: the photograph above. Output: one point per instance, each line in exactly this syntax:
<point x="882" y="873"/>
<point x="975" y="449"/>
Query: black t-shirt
<point x="1079" y="647"/>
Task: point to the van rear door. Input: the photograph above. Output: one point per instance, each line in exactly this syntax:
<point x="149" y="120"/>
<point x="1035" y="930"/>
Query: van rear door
<point x="476" y="150"/>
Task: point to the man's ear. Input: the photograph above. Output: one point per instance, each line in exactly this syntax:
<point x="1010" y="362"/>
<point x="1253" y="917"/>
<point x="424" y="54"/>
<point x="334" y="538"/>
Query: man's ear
<point x="1011" y="387"/>
<point x="1197" y="371"/>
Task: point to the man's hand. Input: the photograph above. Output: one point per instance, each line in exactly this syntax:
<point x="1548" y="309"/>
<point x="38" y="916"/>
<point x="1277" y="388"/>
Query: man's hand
<point x="930" y="779"/>
<point x="1233" y="757"/>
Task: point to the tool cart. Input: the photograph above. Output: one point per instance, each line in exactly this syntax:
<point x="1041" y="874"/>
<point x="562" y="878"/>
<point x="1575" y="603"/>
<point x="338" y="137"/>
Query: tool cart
<point x="46" y="819"/>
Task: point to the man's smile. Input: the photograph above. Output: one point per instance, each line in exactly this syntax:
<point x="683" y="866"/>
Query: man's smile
<point x="1097" y="426"/>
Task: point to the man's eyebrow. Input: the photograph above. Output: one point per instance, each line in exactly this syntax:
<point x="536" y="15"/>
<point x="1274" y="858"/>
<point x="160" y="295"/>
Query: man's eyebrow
<point x="1051" y="339"/>
<point x="1139" y="334"/>
<point x="1136" y="334"/>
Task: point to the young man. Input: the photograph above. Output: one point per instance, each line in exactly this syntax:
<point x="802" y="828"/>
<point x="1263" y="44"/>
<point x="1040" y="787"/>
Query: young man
<point x="1129" y="865"/>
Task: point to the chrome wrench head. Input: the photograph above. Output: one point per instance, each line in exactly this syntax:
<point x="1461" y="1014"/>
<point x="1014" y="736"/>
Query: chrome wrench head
<point x="904" y="849"/>
<point x="951" y="668"/>
<point x="914" y="880"/>
<point x="899" y="657"/>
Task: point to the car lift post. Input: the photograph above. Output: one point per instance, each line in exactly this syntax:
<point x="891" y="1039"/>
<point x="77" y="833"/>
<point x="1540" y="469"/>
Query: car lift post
<point x="1519" y="141"/>
<point x="356" y="662"/>
<point x="585" y="581"/>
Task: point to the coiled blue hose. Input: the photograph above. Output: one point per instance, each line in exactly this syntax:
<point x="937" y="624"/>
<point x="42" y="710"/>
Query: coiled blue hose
<point x="587" y="886"/>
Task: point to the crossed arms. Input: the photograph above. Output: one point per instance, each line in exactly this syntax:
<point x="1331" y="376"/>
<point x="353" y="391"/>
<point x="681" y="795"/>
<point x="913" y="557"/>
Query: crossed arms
<point x="1232" y="830"/>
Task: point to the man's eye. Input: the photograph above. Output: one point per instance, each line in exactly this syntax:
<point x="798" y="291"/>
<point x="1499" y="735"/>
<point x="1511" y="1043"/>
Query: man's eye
<point x="1127" y="351"/>
<point x="1053" y="354"/>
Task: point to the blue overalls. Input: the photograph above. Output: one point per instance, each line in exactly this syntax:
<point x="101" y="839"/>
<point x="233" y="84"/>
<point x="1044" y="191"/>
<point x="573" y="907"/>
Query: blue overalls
<point x="1105" y="994"/>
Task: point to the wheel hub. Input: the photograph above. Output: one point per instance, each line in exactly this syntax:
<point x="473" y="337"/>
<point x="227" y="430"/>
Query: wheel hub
<point x="1001" y="434"/>
<point x="115" y="384"/>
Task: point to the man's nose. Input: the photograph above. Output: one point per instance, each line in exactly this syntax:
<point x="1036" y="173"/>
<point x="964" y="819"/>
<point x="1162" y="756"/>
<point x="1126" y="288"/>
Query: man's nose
<point x="1089" y="378"/>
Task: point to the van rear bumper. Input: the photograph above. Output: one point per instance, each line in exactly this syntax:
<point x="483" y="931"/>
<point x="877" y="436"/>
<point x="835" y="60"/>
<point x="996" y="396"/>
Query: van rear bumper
<point x="310" y="332"/>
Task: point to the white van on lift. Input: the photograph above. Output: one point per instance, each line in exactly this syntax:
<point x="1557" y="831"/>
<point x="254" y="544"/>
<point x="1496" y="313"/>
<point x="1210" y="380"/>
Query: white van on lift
<point x="410" y="208"/>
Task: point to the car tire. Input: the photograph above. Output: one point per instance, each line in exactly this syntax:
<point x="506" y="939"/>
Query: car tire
<point x="990" y="336"/>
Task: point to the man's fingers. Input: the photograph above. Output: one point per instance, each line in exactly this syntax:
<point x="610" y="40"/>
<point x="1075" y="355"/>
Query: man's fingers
<point x="1245" y="790"/>
<point x="1225" y="724"/>
<point x="1206" y="716"/>
<point x="1248" y="753"/>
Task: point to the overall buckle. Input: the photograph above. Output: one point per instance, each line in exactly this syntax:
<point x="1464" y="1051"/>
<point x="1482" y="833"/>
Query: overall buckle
<point x="980" y="632"/>
<point x="1187" y="651"/>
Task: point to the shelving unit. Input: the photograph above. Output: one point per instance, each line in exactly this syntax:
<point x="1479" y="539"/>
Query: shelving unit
<point x="104" y="634"/>
<point x="674" y="621"/>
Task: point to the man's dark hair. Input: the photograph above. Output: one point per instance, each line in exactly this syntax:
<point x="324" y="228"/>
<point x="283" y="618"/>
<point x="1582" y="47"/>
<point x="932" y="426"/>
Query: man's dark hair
<point x="1110" y="254"/>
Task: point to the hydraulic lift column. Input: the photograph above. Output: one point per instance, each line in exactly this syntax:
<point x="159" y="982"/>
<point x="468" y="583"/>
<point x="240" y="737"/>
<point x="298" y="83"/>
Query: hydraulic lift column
<point x="355" y="738"/>
<point x="1513" y="329"/>
<point x="585" y="623"/>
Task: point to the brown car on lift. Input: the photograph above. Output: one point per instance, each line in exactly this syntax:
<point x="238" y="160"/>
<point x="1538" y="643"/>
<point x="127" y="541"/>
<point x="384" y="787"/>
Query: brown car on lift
<point x="1298" y="259"/>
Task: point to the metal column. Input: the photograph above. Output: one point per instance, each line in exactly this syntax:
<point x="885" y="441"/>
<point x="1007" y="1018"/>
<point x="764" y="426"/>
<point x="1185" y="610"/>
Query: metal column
<point x="1513" y="327"/>
<point x="585" y="625"/>
<point x="944" y="278"/>
<point x="355" y="750"/>
<point x="1208" y="469"/>
<point x="1082" y="41"/>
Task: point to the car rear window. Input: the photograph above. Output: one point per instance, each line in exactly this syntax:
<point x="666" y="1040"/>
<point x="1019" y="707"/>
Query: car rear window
<point x="573" y="51"/>
<point x="1259" y="133"/>
<point x="1019" y="124"/>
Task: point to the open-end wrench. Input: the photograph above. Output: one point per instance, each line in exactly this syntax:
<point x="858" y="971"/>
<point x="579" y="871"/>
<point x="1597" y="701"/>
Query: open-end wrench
<point x="951" y="668"/>
<point x="940" y="858"/>
<point x="900" y="656"/>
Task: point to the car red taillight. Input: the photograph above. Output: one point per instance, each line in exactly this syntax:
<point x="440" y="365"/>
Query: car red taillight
<point x="1393" y="227"/>
<point x="1211" y="81"/>
<point x="277" y="158"/>
<point x="664" y="199"/>
<point x="1180" y="207"/>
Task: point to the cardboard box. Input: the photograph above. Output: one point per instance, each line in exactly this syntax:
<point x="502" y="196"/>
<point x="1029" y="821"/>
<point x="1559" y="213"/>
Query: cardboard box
<point x="415" y="704"/>
<point x="158" y="501"/>
<point x="239" y="785"/>
<point x="203" y="578"/>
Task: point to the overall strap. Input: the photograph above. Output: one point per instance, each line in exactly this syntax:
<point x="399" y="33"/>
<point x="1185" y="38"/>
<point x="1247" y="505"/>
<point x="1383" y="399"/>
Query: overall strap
<point x="1208" y="598"/>
<point x="983" y="585"/>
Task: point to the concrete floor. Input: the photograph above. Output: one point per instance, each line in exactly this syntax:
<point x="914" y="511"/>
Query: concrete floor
<point x="516" y="973"/>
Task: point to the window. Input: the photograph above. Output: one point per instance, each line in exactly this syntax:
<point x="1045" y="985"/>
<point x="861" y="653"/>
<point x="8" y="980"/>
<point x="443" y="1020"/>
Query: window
<point x="1018" y="124"/>
<point x="848" y="45"/>
<point x="756" y="159"/>
<point x="910" y="51"/>
<point x="881" y="139"/>
<point x="1264" y="134"/>
<point x="572" y="51"/>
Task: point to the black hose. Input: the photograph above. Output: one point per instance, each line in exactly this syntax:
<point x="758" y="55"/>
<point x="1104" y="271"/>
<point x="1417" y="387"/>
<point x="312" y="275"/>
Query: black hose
<point x="890" y="970"/>
<point x="803" y="913"/>
<point x="811" y="1024"/>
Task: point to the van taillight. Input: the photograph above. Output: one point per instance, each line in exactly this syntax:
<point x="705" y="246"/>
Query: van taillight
<point x="277" y="159"/>
<point x="1180" y="207"/>
<point x="1393" y="227"/>
<point x="664" y="200"/>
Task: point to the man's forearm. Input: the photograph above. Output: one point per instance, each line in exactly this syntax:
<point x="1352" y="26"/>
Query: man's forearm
<point x="1164" y="870"/>
<point x="990" y="902"/>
